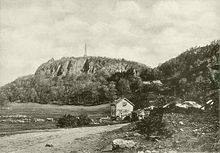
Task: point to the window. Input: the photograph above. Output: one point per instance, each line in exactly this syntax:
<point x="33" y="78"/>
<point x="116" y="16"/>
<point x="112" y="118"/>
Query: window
<point x="124" y="103"/>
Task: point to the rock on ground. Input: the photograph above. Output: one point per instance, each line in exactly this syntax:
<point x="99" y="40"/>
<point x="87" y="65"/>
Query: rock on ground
<point x="121" y="144"/>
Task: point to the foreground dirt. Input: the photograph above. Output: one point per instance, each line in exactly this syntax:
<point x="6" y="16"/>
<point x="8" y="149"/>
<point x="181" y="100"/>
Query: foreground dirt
<point x="63" y="140"/>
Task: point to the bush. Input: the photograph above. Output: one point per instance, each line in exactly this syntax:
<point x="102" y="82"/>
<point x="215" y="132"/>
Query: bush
<point x="134" y="117"/>
<point x="152" y="126"/>
<point x="67" y="121"/>
<point x="83" y="119"/>
<point x="127" y="119"/>
<point x="73" y="121"/>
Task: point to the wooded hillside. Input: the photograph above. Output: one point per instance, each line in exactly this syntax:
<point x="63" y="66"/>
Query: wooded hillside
<point x="97" y="80"/>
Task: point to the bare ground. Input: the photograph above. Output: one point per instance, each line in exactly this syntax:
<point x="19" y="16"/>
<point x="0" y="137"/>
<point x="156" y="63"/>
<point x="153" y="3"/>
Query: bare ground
<point x="63" y="140"/>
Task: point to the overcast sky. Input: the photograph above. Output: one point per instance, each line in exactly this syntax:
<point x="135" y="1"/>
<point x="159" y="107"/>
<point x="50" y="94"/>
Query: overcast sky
<point x="146" y="31"/>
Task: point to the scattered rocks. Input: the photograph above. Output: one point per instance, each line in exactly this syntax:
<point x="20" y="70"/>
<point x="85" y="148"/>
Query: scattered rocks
<point x="107" y="148"/>
<point x="39" y="120"/>
<point x="181" y="123"/>
<point x="122" y="144"/>
<point x="73" y="152"/>
<point x="137" y="134"/>
<point x="50" y="119"/>
<point x="147" y="151"/>
<point x="172" y="151"/>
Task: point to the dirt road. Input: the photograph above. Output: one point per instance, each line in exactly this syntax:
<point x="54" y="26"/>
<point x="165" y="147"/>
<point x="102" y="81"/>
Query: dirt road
<point x="63" y="140"/>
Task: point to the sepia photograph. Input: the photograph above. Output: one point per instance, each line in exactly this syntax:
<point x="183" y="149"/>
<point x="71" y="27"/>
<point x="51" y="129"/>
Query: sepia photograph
<point x="109" y="76"/>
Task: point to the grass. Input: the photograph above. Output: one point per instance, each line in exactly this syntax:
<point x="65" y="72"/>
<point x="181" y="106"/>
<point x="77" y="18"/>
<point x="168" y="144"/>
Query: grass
<point x="191" y="133"/>
<point x="43" y="111"/>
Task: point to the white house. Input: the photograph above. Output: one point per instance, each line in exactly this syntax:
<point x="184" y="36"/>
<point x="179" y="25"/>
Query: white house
<point x="121" y="108"/>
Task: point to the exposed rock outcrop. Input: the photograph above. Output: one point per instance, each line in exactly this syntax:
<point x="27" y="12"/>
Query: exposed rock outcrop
<point x="75" y="66"/>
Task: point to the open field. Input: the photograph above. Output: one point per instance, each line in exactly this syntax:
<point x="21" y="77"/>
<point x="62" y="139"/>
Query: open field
<point x="27" y="116"/>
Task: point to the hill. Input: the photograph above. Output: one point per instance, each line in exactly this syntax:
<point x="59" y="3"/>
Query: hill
<point x="81" y="80"/>
<point x="190" y="74"/>
<point x="98" y="80"/>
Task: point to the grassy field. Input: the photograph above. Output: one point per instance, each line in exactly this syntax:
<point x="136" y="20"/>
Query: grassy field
<point x="27" y="116"/>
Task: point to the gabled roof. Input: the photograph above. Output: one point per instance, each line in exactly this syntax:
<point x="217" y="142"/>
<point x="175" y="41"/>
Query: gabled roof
<point x="118" y="100"/>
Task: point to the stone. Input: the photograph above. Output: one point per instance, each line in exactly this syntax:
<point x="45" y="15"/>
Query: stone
<point x="107" y="148"/>
<point x="48" y="145"/>
<point x="147" y="151"/>
<point x="172" y="151"/>
<point x="137" y="134"/>
<point x="50" y="119"/>
<point x="181" y="123"/>
<point x="122" y="144"/>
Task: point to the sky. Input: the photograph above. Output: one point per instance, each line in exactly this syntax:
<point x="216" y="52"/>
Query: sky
<point x="146" y="31"/>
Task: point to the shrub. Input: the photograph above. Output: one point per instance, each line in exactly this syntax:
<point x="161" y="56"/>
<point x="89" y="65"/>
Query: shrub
<point x="83" y="119"/>
<point x="67" y="121"/>
<point x="73" y="121"/>
<point x="127" y="119"/>
<point x="134" y="117"/>
<point x="153" y="126"/>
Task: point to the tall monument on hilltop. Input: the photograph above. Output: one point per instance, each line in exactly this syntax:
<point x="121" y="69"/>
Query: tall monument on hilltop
<point x="85" y="51"/>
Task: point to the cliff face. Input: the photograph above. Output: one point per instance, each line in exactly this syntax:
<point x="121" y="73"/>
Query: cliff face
<point x="54" y="78"/>
<point x="76" y="66"/>
<point x="70" y="66"/>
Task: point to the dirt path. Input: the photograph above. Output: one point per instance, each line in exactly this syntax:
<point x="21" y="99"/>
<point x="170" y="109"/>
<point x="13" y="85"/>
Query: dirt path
<point x="63" y="140"/>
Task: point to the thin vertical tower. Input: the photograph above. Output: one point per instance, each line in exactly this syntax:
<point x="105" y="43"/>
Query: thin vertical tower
<point x="85" y="52"/>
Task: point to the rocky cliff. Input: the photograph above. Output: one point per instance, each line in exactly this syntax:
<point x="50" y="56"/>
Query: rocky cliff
<point x="69" y="79"/>
<point x="75" y="66"/>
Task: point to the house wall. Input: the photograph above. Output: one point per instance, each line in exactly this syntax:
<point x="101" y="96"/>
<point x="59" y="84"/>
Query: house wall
<point x="122" y="110"/>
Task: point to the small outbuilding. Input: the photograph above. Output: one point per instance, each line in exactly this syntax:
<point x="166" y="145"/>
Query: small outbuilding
<point x="121" y="108"/>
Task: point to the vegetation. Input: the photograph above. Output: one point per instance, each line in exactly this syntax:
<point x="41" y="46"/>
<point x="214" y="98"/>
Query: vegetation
<point x="9" y="123"/>
<point x="3" y="99"/>
<point x="98" y="80"/>
<point x="189" y="74"/>
<point x="76" y="81"/>
<point x="151" y="127"/>
<point x="73" y="121"/>
<point x="189" y="134"/>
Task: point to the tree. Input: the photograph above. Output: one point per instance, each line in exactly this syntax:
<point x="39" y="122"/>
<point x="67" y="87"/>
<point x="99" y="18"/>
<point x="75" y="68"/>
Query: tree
<point x="33" y="95"/>
<point x="135" y="84"/>
<point x="148" y="75"/>
<point x="111" y="92"/>
<point x="3" y="99"/>
<point x="123" y="87"/>
<point x="166" y="69"/>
